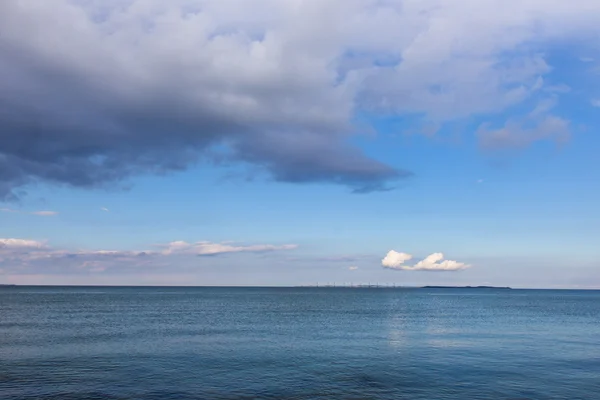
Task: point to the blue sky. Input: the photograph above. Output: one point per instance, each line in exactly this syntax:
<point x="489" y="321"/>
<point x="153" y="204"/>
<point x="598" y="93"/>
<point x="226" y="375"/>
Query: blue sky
<point x="238" y="160"/>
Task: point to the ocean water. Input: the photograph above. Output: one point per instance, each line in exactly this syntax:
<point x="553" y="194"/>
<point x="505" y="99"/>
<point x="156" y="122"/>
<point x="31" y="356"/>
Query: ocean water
<point x="298" y="343"/>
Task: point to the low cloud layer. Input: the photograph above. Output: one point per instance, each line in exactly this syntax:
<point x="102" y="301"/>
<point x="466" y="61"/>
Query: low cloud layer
<point x="30" y="256"/>
<point x="433" y="262"/>
<point x="209" y="248"/>
<point x="8" y="245"/>
<point x="93" y="92"/>
<point x="38" y="213"/>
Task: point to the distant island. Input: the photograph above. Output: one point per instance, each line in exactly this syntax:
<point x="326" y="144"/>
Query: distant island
<point x="465" y="287"/>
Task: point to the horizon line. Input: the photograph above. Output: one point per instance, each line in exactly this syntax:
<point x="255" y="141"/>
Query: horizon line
<point x="303" y="286"/>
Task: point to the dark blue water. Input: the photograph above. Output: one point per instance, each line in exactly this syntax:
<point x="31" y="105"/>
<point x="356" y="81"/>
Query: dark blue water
<point x="304" y="343"/>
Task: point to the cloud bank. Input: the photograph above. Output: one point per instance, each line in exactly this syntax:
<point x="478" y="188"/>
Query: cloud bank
<point x="7" y="245"/>
<point x="25" y="256"/>
<point x="93" y="92"/>
<point x="209" y="248"/>
<point x="433" y="262"/>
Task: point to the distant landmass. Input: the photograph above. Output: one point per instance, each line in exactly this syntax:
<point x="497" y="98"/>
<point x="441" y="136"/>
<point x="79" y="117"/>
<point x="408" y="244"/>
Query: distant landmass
<point x="466" y="287"/>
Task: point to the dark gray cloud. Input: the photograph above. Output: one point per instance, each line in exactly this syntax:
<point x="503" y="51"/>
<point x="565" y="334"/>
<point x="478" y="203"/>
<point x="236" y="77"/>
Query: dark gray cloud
<point x="87" y="103"/>
<point x="93" y="92"/>
<point x="309" y="157"/>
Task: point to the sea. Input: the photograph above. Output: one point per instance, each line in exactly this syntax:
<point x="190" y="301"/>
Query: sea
<point x="163" y="343"/>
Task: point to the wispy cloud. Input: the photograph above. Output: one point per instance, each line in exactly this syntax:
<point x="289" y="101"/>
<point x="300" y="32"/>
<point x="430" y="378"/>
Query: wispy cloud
<point x="344" y="258"/>
<point x="45" y="213"/>
<point x="353" y="268"/>
<point x="595" y="102"/>
<point x="38" y="213"/>
<point x="433" y="262"/>
<point x="539" y="124"/>
<point x="15" y="253"/>
<point x="104" y="209"/>
<point x="209" y="248"/>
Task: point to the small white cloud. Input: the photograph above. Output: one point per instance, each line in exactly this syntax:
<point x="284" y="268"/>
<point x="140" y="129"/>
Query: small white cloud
<point x="353" y="268"/>
<point x="433" y="262"/>
<point x="44" y="213"/>
<point x="104" y="209"/>
<point x="586" y="59"/>
<point x="394" y="259"/>
<point x="436" y="262"/>
<point x="479" y="180"/>
<point x="595" y="102"/>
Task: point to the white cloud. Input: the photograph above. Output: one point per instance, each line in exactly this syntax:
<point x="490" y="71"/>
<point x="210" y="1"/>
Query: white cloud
<point x="32" y="255"/>
<point x="20" y="244"/>
<point x="595" y="102"/>
<point x="353" y="268"/>
<point x="104" y="209"/>
<point x="436" y="262"/>
<point x="394" y="259"/>
<point x="433" y="262"/>
<point x="38" y="213"/>
<point x="209" y="248"/>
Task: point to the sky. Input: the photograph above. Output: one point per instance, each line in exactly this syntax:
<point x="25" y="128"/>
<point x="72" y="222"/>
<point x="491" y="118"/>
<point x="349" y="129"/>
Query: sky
<point x="296" y="142"/>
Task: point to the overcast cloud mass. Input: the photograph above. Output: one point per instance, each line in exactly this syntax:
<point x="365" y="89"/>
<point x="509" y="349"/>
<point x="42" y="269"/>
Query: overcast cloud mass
<point x="92" y="92"/>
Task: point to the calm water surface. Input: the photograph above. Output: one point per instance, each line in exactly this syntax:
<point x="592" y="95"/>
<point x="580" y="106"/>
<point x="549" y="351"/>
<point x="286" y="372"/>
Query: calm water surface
<point x="298" y="343"/>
